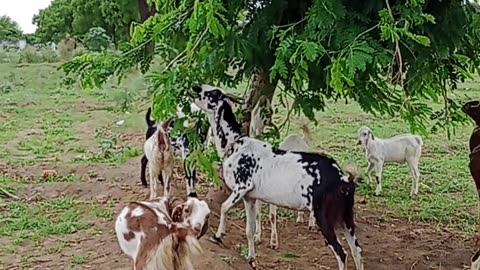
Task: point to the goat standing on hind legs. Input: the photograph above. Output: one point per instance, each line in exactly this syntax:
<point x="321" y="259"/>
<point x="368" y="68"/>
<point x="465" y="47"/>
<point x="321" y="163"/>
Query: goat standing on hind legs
<point x="159" y="154"/>
<point x="255" y="170"/>
<point x="472" y="109"/>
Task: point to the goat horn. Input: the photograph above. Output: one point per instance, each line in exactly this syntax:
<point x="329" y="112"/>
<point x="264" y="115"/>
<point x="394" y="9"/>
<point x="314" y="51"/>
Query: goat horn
<point x="234" y="98"/>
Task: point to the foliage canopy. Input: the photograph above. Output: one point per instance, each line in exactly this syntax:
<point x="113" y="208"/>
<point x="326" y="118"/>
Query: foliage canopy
<point x="389" y="56"/>
<point x="77" y="17"/>
<point x="9" y="29"/>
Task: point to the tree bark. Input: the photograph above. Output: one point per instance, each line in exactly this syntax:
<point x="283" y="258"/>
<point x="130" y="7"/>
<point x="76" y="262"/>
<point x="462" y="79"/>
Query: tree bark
<point x="260" y="86"/>
<point x="145" y="11"/>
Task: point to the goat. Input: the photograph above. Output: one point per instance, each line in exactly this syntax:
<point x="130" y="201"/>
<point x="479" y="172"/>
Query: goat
<point x="400" y="149"/>
<point x="475" y="260"/>
<point x="472" y="109"/>
<point x="181" y="147"/>
<point x="162" y="233"/>
<point x="295" y="142"/>
<point x="262" y="116"/>
<point x="254" y="170"/>
<point x="159" y="153"/>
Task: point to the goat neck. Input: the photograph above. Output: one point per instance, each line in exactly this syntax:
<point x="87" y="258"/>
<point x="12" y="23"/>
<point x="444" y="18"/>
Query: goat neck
<point x="225" y="127"/>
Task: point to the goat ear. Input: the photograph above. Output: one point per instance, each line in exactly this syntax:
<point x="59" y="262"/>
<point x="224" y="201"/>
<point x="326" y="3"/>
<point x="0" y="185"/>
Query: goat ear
<point x="177" y="213"/>
<point x="168" y="123"/>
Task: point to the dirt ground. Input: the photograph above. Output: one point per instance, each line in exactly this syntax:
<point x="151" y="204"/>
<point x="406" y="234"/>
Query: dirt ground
<point x="388" y="243"/>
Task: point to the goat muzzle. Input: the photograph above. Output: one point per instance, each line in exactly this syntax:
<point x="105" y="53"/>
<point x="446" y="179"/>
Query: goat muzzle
<point x="200" y="230"/>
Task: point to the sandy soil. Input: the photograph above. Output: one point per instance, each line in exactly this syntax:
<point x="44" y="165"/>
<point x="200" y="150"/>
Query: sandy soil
<point x="388" y="243"/>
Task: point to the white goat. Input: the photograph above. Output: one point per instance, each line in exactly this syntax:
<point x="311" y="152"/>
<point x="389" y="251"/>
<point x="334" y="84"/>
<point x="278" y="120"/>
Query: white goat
<point x="400" y="149"/>
<point x="254" y="170"/>
<point x="159" y="153"/>
<point x="163" y="233"/>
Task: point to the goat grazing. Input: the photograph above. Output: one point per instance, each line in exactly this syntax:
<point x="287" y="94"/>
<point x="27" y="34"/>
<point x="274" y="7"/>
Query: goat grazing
<point x="159" y="153"/>
<point x="163" y="233"/>
<point x="400" y="149"/>
<point x="181" y="147"/>
<point x="254" y="170"/>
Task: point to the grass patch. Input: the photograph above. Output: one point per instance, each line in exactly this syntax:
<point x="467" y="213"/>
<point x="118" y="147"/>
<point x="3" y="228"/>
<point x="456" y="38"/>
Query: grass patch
<point x="78" y="260"/>
<point x="25" y="221"/>
<point x="110" y="150"/>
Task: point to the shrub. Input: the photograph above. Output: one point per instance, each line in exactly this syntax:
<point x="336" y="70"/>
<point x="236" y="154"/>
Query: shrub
<point x="97" y="40"/>
<point x="31" y="55"/>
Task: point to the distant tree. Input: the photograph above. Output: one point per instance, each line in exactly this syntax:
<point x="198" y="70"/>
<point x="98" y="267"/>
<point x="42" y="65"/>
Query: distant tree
<point x="54" y="22"/>
<point x="9" y="29"/>
<point x="77" y="17"/>
<point x="97" y="40"/>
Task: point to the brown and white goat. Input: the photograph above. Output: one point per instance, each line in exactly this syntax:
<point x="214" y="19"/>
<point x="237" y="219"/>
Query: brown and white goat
<point x="163" y="233"/>
<point x="159" y="153"/>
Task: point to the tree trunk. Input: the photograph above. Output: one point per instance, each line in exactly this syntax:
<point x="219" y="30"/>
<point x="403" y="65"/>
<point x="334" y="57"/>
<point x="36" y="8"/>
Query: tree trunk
<point x="260" y="86"/>
<point x="145" y="11"/>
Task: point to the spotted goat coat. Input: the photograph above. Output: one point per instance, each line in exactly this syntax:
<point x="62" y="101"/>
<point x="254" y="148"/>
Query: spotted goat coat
<point x="254" y="170"/>
<point x="162" y="234"/>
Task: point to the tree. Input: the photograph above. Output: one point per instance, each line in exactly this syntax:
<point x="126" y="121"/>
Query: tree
<point x="97" y="40"/>
<point x="77" y="17"/>
<point x="389" y="56"/>
<point x="9" y="29"/>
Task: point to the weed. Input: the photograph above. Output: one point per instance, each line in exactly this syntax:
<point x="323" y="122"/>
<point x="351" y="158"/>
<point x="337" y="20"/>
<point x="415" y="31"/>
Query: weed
<point x="79" y="260"/>
<point x="109" y="149"/>
<point x="244" y="251"/>
<point x="290" y="255"/>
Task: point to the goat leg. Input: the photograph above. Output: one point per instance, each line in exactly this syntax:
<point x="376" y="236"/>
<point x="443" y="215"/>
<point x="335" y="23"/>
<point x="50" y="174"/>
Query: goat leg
<point x="143" y="168"/>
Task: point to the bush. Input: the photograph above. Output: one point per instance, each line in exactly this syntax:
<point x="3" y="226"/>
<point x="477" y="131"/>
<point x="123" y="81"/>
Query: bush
<point x="97" y="40"/>
<point x="9" y="56"/>
<point x="31" y="55"/>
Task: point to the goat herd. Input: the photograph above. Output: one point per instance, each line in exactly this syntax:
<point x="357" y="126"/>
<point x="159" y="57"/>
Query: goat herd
<point x="163" y="232"/>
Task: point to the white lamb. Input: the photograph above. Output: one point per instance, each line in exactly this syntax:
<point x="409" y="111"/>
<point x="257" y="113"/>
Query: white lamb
<point x="399" y="149"/>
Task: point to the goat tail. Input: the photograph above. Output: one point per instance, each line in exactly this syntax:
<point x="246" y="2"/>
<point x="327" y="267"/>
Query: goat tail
<point x="419" y="140"/>
<point x="307" y="134"/>
<point x="149" y="120"/>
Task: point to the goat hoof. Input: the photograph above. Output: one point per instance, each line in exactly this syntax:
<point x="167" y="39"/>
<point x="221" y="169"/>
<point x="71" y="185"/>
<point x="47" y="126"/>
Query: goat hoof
<point x="253" y="263"/>
<point x="274" y="246"/>
<point x="217" y="240"/>
<point x="311" y="228"/>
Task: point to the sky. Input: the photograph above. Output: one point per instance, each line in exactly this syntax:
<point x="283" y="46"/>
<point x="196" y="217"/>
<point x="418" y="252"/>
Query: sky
<point x="22" y="11"/>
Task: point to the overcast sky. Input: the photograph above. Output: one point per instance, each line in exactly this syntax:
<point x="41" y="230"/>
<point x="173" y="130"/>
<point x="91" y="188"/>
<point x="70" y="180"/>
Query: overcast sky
<point x="22" y="11"/>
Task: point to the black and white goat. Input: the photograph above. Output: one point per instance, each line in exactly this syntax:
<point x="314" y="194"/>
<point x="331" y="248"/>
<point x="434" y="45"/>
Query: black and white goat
<point x="261" y="117"/>
<point x="181" y="148"/>
<point x="254" y="170"/>
<point x="406" y="148"/>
